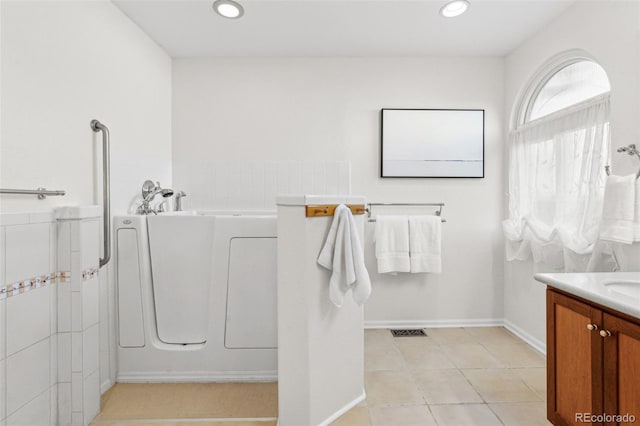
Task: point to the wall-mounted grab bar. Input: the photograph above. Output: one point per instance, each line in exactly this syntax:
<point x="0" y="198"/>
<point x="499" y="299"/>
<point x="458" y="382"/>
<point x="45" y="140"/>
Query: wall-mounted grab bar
<point x="40" y="192"/>
<point x="97" y="126"/>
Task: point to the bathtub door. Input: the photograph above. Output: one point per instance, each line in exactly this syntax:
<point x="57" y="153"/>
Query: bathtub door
<point x="181" y="251"/>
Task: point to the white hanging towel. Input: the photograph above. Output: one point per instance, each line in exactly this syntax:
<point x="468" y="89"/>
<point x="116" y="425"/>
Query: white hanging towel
<point x="343" y="255"/>
<point x="425" y="236"/>
<point x="392" y="244"/>
<point x="620" y="210"/>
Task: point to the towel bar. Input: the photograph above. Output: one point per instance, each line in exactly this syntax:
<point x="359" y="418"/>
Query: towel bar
<point x="42" y="193"/>
<point x="631" y="150"/>
<point x="329" y="209"/>
<point x="438" y="212"/>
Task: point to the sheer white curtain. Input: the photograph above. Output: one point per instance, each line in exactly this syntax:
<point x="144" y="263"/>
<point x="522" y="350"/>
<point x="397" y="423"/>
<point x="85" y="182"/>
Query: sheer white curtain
<point x="556" y="186"/>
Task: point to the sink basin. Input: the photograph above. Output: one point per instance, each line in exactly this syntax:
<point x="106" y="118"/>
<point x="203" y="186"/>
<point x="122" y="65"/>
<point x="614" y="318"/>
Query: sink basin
<point x="626" y="287"/>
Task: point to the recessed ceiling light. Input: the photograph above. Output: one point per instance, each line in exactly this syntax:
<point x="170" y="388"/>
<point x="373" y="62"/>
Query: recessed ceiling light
<point x="228" y="8"/>
<point x="454" y="8"/>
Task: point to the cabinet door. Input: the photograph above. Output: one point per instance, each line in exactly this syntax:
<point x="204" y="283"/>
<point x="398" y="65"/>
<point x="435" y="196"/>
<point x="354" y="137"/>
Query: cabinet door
<point x="622" y="370"/>
<point x="574" y="360"/>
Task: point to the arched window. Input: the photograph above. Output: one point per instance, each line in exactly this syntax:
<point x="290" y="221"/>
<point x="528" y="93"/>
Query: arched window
<point x="571" y="85"/>
<point x="559" y="145"/>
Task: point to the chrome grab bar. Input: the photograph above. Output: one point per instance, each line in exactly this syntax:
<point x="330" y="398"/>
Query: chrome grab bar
<point x="97" y="126"/>
<point x="40" y="192"/>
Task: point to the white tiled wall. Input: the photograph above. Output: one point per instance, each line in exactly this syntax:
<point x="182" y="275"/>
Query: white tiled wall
<point x="78" y="323"/>
<point x="27" y="375"/>
<point x="45" y="340"/>
<point x="35" y="412"/>
<point x="253" y="185"/>
<point x="29" y="319"/>
<point x="3" y="329"/>
<point x="27" y="332"/>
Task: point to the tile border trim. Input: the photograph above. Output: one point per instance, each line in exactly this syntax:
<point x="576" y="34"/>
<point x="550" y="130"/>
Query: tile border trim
<point x="29" y="284"/>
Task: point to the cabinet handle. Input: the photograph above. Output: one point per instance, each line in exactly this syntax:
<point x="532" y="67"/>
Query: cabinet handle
<point x="592" y="327"/>
<point x="605" y="333"/>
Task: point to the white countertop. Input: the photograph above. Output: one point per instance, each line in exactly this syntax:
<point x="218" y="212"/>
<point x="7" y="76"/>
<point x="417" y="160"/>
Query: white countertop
<point x="597" y="287"/>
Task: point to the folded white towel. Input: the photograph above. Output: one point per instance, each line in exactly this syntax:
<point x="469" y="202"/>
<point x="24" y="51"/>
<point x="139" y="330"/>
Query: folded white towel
<point x="619" y="209"/>
<point x="342" y="254"/>
<point x="425" y="236"/>
<point x="392" y="244"/>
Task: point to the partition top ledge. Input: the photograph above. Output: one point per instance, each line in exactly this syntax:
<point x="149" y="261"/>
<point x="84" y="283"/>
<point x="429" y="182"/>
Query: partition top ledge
<point x="310" y="200"/>
<point x="24" y="218"/>
<point x="78" y="212"/>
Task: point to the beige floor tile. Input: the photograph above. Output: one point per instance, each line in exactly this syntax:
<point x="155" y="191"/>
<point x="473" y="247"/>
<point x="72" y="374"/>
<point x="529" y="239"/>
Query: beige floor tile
<point x="190" y="400"/>
<point x="470" y="356"/>
<point x="425" y="356"/>
<point x="450" y="335"/>
<point x="136" y="424"/>
<point x="517" y="355"/>
<point x="535" y="378"/>
<point x="403" y="374"/>
<point x="191" y="423"/>
<point x="522" y="414"/>
<point x="232" y="423"/>
<point x="357" y="416"/>
<point x="415" y="415"/>
<point x="412" y="342"/>
<point x="445" y="387"/>
<point x="377" y="337"/>
<point x="500" y="385"/>
<point x="383" y="357"/>
<point x="391" y="388"/>
<point x="493" y="335"/>
<point x="464" y="415"/>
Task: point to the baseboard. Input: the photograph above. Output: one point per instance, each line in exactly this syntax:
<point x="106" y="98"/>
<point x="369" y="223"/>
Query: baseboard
<point x="332" y="418"/>
<point x="198" y="377"/>
<point x="528" y="338"/>
<point x="489" y="322"/>
<point x="536" y="344"/>
<point x="105" y="386"/>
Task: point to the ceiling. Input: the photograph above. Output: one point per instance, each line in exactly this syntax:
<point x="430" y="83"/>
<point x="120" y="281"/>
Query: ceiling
<point x="188" y="28"/>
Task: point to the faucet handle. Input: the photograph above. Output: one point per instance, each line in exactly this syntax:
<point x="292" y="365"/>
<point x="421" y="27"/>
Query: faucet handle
<point x="178" y="197"/>
<point x="147" y="188"/>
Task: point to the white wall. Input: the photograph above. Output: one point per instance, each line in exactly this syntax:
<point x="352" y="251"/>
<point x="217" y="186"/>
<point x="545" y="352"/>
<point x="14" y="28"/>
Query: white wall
<point x="608" y="31"/>
<point x="63" y="64"/>
<point x="274" y="109"/>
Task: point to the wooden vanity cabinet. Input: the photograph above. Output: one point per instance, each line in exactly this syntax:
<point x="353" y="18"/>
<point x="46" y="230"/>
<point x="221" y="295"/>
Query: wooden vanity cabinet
<point x="593" y="362"/>
<point x="622" y="367"/>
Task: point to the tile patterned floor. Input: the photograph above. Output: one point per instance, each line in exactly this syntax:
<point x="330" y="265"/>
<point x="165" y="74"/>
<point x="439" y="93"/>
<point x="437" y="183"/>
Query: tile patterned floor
<point x="454" y="376"/>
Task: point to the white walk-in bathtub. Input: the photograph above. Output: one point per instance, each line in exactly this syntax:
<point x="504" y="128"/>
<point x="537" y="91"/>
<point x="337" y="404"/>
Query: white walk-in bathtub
<point x="196" y="297"/>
